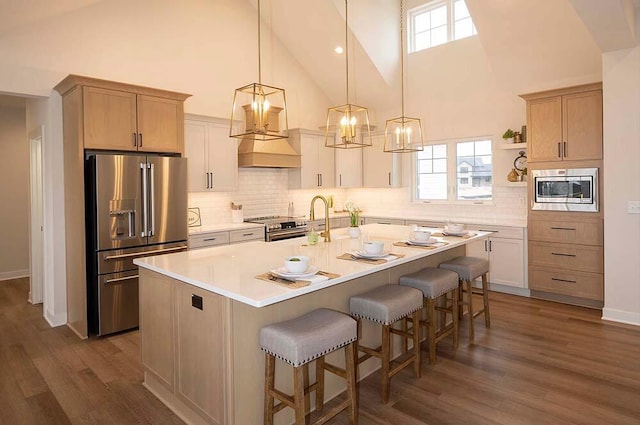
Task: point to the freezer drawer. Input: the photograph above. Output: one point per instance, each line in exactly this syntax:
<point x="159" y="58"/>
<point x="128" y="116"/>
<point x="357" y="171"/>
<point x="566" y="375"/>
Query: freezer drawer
<point x="119" y="260"/>
<point x="118" y="302"/>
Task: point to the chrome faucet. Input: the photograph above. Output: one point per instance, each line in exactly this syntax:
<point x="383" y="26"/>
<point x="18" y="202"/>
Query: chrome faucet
<point x="327" y="231"/>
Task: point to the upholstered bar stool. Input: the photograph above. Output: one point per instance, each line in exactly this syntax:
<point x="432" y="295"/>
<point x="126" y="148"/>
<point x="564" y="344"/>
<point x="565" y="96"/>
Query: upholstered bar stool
<point x="468" y="269"/>
<point x="436" y="284"/>
<point x="298" y="342"/>
<point x="386" y="305"/>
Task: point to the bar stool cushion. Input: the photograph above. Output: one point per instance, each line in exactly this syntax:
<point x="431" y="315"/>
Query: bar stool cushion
<point x="468" y="268"/>
<point x="431" y="281"/>
<point x="386" y="304"/>
<point x="305" y="338"/>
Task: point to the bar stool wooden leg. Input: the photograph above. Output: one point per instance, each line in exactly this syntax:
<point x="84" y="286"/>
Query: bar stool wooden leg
<point x="468" y="289"/>
<point x="269" y="384"/>
<point x="461" y="299"/>
<point x="350" y="365"/>
<point x="431" y="329"/>
<point x="386" y="362"/>
<point x="319" y="384"/>
<point x="416" y="341"/>
<point x="454" y="316"/>
<point x="485" y="295"/>
<point x="298" y="394"/>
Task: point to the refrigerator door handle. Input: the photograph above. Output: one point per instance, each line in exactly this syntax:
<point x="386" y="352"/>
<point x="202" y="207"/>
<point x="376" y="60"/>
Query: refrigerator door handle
<point x="145" y="203"/>
<point x="152" y="191"/>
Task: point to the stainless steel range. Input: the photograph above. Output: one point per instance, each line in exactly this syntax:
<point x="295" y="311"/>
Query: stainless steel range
<point x="279" y="228"/>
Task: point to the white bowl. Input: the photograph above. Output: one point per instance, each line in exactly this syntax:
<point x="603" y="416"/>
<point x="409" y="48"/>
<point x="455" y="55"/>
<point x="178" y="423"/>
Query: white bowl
<point x="297" y="263"/>
<point x="373" y="247"/>
<point x="420" y="235"/>
<point x="455" y="228"/>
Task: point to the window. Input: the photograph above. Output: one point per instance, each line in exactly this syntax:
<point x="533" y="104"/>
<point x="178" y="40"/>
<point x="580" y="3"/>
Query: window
<point x="438" y="22"/>
<point x="471" y="180"/>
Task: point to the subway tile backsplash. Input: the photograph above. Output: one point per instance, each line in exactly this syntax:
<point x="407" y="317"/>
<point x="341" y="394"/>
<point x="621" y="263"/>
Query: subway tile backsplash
<point x="264" y="191"/>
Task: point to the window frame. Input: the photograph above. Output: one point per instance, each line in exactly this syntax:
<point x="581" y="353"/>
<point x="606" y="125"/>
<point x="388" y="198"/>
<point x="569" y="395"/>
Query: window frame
<point x="452" y="173"/>
<point x="427" y="7"/>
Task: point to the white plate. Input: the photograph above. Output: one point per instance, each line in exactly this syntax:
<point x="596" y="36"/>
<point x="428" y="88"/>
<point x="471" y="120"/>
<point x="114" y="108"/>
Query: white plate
<point x="463" y="233"/>
<point x="363" y="254"/>
<point x="285" y="274"/>
<point x="423" y="243"/>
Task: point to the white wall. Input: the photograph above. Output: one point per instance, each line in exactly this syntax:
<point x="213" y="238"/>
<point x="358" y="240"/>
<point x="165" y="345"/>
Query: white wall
<point x="621" y="102"/>
<point x="14" y="187"/>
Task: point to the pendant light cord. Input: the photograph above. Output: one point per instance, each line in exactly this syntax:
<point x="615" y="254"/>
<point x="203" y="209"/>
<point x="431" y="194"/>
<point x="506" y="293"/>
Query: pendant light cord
<point x="346" y="42"/>
<point x="259" y="49"/>
<point x="402" y="57"/>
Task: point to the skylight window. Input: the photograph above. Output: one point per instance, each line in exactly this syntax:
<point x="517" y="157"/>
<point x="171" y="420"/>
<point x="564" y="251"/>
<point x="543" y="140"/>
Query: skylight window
<point x="438" y="22"/>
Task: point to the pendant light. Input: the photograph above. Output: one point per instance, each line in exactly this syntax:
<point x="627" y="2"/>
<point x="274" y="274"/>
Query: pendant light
<point x="349" y="122"/>
<point x="402" y="134"/>
<point x="260" y="107"/>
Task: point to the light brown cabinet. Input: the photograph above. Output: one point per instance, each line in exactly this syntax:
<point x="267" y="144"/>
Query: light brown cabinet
<point x="565" y="124"/>
<point x="182" y="346"/>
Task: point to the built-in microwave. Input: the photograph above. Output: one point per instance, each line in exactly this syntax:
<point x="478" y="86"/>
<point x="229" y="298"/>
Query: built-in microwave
<point x="571" y="189"/>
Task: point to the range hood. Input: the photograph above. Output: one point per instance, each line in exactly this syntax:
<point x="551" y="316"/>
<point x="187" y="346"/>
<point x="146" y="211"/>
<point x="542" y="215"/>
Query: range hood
<point x="267" y="154"/>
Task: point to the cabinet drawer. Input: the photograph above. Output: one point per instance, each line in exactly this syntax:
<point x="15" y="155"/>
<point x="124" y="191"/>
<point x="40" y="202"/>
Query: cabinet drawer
<point x="426" y="223"/>
<point x="499" y="231"/>
<point x="208" y="239"/>
<point x="246" y="235"/>
<point x="584" y="233"/>
<point x="563" y="256"/>
<point x="565" y="282"/>
<point x="383" y="220"/>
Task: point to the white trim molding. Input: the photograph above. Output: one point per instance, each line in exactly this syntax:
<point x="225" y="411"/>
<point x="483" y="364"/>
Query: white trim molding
<point x="15" y="274"/>
<point x="628" y="317"/>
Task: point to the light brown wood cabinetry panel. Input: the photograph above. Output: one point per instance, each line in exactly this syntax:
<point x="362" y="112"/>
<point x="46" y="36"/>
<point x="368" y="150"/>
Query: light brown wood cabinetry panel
<point x="567" y="282"/>
<point x="156" y="326"/>
<point x="582" y="125"/>
<point x="160" y="124"/>
<point x="544" y="119"/>
<point x="567" y="256"/>
<point x="584" y="233"/>
<point x="109" y="119"/>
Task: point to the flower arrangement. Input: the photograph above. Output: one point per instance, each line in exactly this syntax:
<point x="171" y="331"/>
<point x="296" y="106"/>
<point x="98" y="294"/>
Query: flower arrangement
<point x="354" y="213"/>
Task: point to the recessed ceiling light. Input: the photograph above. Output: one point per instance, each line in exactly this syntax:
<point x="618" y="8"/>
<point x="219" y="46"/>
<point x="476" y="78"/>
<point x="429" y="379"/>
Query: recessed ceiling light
<point x="339" y="50"/>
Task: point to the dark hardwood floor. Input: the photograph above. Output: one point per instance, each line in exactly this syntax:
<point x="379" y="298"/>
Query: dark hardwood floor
<point x="539" y="363"/>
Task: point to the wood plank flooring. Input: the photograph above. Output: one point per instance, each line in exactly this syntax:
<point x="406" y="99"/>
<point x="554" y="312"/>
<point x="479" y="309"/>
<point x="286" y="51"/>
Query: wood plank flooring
<point x="539" y="363"/>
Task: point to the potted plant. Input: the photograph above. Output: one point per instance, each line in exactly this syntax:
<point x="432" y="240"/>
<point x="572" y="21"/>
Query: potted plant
<point x="508" y="135"/>
<point x="354" y="219"/>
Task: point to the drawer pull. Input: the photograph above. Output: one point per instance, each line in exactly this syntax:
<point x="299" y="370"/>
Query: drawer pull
<point x="563" y="255"/>
<point x="247" y="234"/>
<point x="209" y="239"/>
<point x="563" y="280"/>
<point x="563" y="228"/>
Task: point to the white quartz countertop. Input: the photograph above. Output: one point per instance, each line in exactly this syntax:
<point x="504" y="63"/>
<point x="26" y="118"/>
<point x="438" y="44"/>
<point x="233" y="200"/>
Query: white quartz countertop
<point x="223" y="227"/>
<point x="230" y="270"/>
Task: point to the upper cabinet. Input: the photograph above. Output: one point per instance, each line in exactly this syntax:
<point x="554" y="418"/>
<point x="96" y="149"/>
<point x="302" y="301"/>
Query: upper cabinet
<point x="565" y="124"/>
<point x="380" y="168"/>
<point x="212" y="154"/>
<point x="317" y="162"/>
<point x="123" y="117"/>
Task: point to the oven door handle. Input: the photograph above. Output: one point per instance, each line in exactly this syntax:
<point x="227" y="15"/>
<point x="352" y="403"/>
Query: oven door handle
<point x="277" y="236"/>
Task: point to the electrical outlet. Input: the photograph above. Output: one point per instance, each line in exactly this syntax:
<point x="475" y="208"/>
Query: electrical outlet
<point x="633" y="207"/>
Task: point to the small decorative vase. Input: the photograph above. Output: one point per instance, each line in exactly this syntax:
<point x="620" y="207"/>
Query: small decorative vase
<point x="354" y="232"/>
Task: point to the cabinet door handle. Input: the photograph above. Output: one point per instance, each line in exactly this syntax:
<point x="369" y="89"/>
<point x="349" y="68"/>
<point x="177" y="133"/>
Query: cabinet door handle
<point x="135" y="139"/>
<point x="213" y="183"/>
<point x="321" y="182"/>
<point x="565" y="152"/>
<point x="563" y="280"/>
<point x="563" y="255"/>
<point x="490" y="247"/>
<point x="563" y="228"/>
<point x="389" y="179"/>
<point x="485" y="246"/>
<point x="140" y="140"/>
<point x="340" y="179"/>
<point x="559" y="151"/>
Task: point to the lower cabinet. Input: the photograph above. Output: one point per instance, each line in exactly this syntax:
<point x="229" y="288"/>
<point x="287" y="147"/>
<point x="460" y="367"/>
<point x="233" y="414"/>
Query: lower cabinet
<point x="505" y="251"/>
<point x="181" y="351"/>
<point x="225" y="237"/>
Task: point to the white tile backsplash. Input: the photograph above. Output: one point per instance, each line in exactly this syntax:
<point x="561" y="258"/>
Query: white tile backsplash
<point x="264" y="191"/>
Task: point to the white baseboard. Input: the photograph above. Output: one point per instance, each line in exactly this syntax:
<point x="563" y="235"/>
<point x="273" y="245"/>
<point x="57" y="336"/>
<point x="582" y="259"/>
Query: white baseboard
<point x="628" y="317"/>
<point x="55" y="320"/>
<point x="14" y="274"/>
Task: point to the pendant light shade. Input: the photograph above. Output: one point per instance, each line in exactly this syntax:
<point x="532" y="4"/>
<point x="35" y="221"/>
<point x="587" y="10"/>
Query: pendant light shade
<point x="403" y="134"/>
<point x="348" y="124"/>
<point x="262" y="108"/>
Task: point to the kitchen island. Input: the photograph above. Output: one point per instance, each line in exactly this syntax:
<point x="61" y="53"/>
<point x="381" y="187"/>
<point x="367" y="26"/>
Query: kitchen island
<point x="201" y="313"/>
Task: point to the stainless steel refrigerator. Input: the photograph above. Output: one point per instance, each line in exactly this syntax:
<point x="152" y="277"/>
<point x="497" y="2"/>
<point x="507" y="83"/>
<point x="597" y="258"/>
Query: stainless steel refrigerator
<point x="136" y="205"/>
